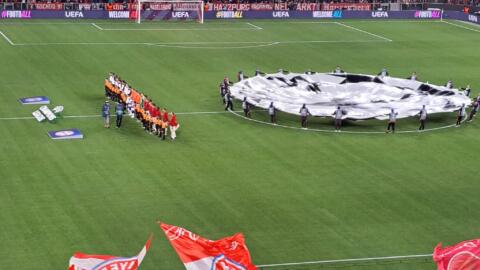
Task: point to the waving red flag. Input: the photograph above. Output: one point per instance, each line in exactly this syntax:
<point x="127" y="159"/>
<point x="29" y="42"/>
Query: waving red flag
<point x="462" y="256"/>
<point x="198" y="253"/>
<point x="81" y="261"/>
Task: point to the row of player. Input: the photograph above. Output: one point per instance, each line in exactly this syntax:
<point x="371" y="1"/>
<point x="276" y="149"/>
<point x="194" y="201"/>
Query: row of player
<point x="137" y="105"/>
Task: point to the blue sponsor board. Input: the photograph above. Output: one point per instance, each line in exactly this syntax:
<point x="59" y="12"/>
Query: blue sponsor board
<point x="34" y="100"/>
<point x="66" y="134"/>
<point x="247" y="14"/>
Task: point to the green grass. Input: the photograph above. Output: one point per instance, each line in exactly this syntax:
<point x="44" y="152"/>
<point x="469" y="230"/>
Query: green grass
<point x="297" y="196"/>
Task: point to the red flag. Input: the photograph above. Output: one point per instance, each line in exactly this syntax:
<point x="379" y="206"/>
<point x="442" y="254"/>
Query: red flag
<point x="462" y="256"/>
<point x="198" y="253"/>
<point x="81" y="261"/>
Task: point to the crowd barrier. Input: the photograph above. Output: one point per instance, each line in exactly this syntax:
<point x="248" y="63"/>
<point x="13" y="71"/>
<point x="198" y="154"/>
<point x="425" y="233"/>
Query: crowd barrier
<point x="285" y="14"/>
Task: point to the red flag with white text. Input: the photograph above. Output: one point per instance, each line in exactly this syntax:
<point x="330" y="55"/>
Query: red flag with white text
<point x="198" y="253"/>
<point x="81" y="261"/>
<point x="462" y="256"/>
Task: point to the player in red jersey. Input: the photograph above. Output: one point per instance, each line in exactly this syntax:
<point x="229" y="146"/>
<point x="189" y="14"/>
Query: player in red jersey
<point x="173" y="126"/>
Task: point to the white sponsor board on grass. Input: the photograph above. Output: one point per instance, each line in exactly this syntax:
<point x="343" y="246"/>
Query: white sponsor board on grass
<point x="65" y="134"/>
<point x="360" y="96"/>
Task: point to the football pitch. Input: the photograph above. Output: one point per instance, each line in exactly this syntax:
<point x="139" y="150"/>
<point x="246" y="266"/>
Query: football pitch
<point x="297" y="195"/>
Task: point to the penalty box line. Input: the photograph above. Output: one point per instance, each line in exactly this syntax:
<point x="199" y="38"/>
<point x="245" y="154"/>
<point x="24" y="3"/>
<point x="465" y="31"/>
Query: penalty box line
<point x="363" y="31"/>
<point x="252" y="27"/>
<point x="186" y="44"/>
<point x="7" y="38"/>
<point x="461" y="26"/>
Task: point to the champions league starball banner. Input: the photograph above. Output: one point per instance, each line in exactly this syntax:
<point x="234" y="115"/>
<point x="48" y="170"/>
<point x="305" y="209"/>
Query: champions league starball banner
<point x="361" y="96"/>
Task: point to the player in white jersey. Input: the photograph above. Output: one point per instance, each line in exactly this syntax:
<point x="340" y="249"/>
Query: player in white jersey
<point x="130" y="107"/>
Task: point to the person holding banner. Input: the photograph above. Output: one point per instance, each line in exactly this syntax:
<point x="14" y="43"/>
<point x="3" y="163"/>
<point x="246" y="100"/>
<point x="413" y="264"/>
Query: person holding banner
<point x="246" y="108"/>
<point x="392" y="120"/>
<point x="383" y="73"/>
<point x="272" y="111"/>
<point x="304" y="113"/>
<point x="338" y="115"/>
<point x="413" y="77"/>
<point x="474" y="110"/>
<point x="338" y="70"/>
<point x="460" y="115"/>
<point x="423" y="118"/>
<point x="228" y="102"/>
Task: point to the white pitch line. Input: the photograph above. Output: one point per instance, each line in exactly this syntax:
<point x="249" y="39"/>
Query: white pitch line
<point x="363" y="31"/>
<point x="469" y="23"/>
<point x="463" y="27"/>
<point x="178" y="29"/>
<point x="96" y="26"/>
<point x="347" y="260"/>
<point x="7" y="39"/>
<point x="255" y="26"/>
<point x="343" y="131"/>
<point x="184" y="44"/>
<point x="217" y="47"/>
<point x="400" y="21"/>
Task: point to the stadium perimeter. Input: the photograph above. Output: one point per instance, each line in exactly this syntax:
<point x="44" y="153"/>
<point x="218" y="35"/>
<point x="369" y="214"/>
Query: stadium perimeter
<point x="298" y="197"/>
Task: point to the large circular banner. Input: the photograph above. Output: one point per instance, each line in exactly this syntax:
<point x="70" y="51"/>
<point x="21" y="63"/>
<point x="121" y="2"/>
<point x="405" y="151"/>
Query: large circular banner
<point x="360" y="96"/>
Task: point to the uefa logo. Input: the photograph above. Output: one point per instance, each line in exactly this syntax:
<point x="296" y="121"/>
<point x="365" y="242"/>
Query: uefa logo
<point x="64" y="133"/>
<point x="223" y="263"/>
